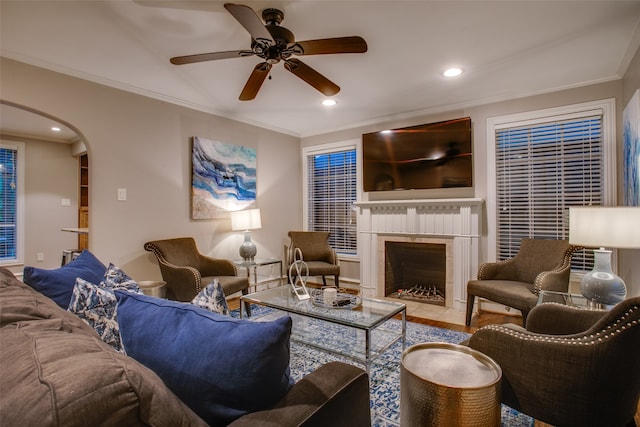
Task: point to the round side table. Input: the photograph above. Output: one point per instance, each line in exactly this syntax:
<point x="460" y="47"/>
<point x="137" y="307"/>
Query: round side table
<point x="444" y="384"/>
<point x="154" y="288"/>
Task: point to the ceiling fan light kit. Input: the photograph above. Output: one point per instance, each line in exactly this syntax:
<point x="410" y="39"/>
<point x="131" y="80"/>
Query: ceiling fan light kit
<point x="274" y="43"/>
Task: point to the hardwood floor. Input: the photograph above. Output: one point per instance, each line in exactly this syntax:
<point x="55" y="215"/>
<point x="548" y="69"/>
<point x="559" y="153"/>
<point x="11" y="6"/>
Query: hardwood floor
<point x="478" y="321"/>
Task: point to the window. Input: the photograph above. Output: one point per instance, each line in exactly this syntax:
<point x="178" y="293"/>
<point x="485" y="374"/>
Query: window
<point x="331" y="189"/>
<point x="543" y="166"/>
<point x="11" y="203"/>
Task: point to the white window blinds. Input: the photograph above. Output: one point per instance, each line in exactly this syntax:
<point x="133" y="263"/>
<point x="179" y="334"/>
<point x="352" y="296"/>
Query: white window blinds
<point x="541" y="170"/>
<point x="8" y="203"/>
<point x="332" y="190"/>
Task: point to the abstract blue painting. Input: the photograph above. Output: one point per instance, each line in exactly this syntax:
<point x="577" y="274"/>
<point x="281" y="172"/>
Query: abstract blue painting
<point x="631" y="155"/>
<point x="223" y="178"/>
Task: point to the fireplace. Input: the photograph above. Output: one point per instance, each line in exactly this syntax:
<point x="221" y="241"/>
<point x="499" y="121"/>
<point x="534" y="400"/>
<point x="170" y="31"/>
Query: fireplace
<point x="416" y="271"/>
<point x="450" y="223"/>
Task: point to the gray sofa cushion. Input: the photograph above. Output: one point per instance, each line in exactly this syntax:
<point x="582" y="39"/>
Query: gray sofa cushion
<point x="55" y="370"/>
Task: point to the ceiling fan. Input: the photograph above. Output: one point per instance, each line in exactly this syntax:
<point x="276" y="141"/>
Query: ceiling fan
<point x="274" y="43"/>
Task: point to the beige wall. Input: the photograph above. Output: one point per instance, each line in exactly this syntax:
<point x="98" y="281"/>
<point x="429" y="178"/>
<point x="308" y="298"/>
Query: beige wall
<point x="143" y="145"/>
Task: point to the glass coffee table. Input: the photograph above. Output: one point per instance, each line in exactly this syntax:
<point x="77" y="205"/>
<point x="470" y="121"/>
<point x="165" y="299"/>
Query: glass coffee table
<point x="362" y="334"/>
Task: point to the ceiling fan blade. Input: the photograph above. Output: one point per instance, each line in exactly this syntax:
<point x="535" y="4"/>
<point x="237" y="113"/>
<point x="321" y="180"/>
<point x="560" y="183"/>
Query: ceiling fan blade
<point x="311" y="76"/>
<point x="248" y="18"/>
<point x="201" y="57"/>
<point x="352" y="44"/>
<point x="251" y="88"/>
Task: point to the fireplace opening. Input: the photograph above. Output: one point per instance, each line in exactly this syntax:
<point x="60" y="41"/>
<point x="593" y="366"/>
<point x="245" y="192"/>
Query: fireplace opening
<point x="416" y="271"/>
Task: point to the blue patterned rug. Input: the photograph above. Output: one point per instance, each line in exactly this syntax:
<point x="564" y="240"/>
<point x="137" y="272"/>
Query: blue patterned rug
<point x="385" y="371"/>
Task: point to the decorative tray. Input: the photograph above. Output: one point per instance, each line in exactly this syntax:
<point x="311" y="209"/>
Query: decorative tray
<point x="343" y="301"/>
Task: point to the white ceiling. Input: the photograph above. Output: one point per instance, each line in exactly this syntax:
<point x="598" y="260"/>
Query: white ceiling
<point x="507" y="49"/>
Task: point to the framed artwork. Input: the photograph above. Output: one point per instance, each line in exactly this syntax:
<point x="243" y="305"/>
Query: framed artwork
<point x="631" y="155"/>
<point x="223" y="178"/>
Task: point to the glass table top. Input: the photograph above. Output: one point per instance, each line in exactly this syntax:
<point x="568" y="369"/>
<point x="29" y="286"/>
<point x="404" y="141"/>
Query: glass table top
<point x="368" y="314"/>
<point x="566" y="298"/>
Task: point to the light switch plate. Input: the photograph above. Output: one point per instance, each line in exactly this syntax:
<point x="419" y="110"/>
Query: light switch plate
<point x="122" y="194"/>
<point x="65" y="202"/>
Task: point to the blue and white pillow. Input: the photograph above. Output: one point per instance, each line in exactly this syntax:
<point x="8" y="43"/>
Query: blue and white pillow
<point x="96" y="305"/>
<point x="115" y="278"/>
<point x="212" y="298"/>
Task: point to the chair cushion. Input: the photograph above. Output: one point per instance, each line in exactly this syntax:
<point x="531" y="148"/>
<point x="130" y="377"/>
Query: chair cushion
<point x="58" y="283"/>
<point x="514" y="294"/>
<point x="319" y="268"/>
<point x="219" y="366"/>
<point x="230" y="284"/>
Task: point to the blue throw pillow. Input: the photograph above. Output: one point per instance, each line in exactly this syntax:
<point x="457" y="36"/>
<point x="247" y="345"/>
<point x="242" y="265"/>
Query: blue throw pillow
<point x="58" y="283"/>
<point x="221" y="367"/>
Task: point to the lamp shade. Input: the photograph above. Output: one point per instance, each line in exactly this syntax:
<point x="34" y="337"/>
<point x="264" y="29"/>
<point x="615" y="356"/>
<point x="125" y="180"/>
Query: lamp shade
<point x="613" y="227"/>
<point x="248" y="219"/>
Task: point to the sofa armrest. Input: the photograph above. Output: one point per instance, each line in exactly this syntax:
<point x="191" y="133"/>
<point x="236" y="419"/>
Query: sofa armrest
<point x="557" y="319"/>
<point x="335" y="394"/>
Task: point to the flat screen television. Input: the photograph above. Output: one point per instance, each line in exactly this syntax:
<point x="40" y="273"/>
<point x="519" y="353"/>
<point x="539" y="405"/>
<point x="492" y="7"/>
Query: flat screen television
<point x="434" y="155"/>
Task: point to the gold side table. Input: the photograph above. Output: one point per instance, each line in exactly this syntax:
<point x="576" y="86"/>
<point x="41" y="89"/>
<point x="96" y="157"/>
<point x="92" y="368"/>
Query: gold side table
<point x="443" y="384"/>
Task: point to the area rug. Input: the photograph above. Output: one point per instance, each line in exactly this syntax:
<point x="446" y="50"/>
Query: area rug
<point x="385" y="371"/>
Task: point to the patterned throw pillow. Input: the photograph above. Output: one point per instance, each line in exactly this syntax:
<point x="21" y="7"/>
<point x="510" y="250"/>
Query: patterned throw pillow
<point x="212" y="298"/>
<point x="115" y="278"/>
<point x="96" y="305"/>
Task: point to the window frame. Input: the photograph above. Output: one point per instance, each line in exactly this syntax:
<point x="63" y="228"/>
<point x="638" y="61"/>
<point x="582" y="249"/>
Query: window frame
<point x="20" y="201"/>
<point x="605" y="108"/>
<point x="328" y="149"/>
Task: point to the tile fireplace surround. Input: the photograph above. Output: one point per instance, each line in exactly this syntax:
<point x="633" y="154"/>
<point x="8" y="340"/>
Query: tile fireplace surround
<point x="452" y="222"/>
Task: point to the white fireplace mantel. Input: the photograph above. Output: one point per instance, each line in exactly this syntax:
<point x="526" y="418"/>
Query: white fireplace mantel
<point x="455" y="220"/>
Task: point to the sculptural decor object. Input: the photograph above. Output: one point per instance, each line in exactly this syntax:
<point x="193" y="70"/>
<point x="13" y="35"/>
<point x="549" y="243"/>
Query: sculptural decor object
<point x="298" y="281"/>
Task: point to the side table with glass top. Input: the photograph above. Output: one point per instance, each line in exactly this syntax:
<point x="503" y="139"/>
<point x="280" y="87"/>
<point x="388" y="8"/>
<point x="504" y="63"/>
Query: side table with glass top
<point x="259" y="263"/>
<point x="566" y="298"/>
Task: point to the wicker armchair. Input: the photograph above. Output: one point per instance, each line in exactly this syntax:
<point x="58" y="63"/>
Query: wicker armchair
<point x="539" y="264"/>
<point x="187" y="271"/>
<point x="321" y="259"/>
<point x="588" y="376"/>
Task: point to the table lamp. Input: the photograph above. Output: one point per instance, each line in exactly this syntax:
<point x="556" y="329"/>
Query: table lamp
<point x="615" y="227"/>
<point x="248" y="219"/>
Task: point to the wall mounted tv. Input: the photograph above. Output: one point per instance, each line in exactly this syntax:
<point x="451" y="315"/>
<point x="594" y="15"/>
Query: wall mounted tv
<point x="434" y="155"/>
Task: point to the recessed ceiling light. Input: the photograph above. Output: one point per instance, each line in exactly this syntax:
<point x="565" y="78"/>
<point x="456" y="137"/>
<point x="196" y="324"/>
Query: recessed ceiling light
<point x="55" y="129"/>
<point x="329" y="102"/>
<point x="452" y="72"/>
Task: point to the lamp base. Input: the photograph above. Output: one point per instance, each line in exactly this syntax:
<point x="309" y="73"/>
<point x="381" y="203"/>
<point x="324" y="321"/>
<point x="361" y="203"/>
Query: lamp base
<point x="248" y="249"/>
<point x="601" y="285"/>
